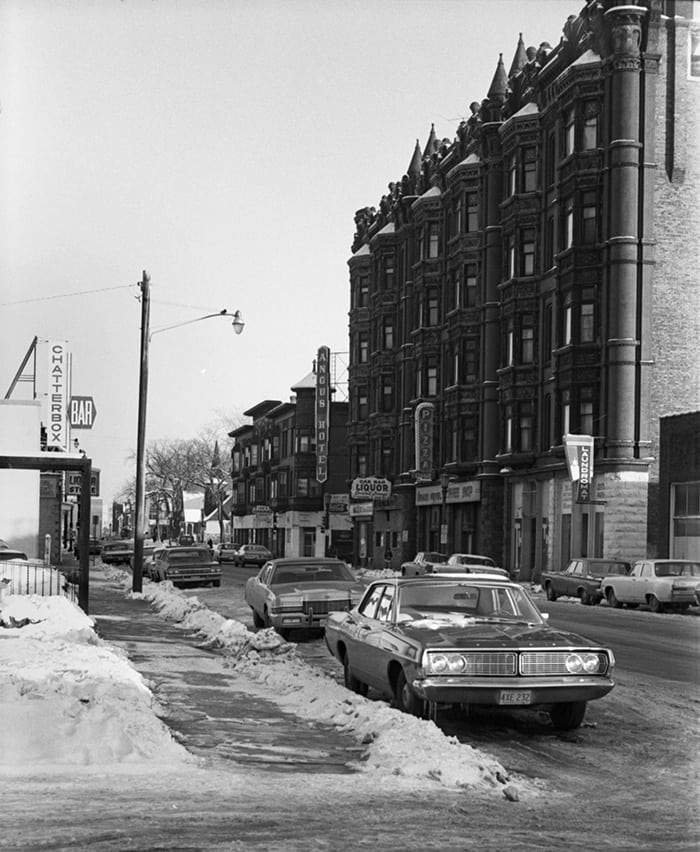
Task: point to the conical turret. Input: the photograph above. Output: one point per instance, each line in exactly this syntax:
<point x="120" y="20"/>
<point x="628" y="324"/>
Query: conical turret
<point x="519" y="59"/>
<point x="499" y="85"/>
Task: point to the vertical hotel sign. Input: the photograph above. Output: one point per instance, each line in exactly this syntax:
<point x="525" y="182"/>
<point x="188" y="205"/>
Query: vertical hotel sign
<point x="424" y="416"/>
<point x="323" y="411"/>
<point x="579" y="460"/>
<point x="57" y="433"/>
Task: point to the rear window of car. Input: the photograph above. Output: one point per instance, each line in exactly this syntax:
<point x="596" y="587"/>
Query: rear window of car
<point x="311" y="573"/>
<point x="188" y="555"/>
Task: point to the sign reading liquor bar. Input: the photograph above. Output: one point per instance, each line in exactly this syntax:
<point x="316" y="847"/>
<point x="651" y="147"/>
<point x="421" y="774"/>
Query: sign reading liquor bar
<point x="323" y="411"/>
<point x="370" y="488"/>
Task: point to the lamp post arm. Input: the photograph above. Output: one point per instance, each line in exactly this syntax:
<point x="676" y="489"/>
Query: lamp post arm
<point x="236" y="316"/>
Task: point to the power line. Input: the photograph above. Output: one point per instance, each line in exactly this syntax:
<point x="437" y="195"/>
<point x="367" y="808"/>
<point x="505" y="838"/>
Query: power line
<point x="65" y="295"/>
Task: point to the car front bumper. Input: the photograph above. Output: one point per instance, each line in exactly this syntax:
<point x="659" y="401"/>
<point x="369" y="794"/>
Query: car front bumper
<point x="511" y="691"/>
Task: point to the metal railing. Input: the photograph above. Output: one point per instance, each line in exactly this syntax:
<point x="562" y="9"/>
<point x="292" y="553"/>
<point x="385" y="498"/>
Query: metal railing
<point x="34" y="577"/>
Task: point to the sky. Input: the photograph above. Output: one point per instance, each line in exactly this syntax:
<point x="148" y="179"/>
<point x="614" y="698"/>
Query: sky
<point x="223" y="146"/>
<point x="53" y="666"/>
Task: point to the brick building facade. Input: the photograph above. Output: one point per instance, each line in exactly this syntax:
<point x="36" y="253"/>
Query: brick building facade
<point x="536" y="276"/>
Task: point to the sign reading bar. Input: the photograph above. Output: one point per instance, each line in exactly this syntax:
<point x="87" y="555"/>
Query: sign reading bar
<point x="323" y="410"/>
<point x="82" y="412"/>
<point x="370" y="488"/>
<point x="579" y="460"/>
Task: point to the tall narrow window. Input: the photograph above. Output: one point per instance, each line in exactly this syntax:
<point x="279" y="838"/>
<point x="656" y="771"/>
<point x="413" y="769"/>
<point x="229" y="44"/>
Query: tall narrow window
<point x="527" y="340"/>
<point x="431" y="377"/>
<point x="589" y="138"/>
<point x="547" y="329"/>
<point x="528" y="251"/>
<point x="455" y="287"/>
<point x="455" y="365"/>
<point x="547" y="422"/>
<point x="587" y="319"/>
<point x="566" y="322"/>
<point x="456" y="216"/>
<point x="433" y="241"/>
<point x="510" y="256"/>
<point x="549" y="247"/>
<point x="509" y="344"/>
<point x="387" y="387"/>
<point x="363" y="348"/>
<point x="511" y="175"/>
<point x="550" y="159"/>
<point x="585" y="417"/>
<point x="529" y="169"/>
<point x="509" y="430"/>
<point x="565" y="412"/>
<point x="470" y="285"/>
<point x="526" y="427"/>
<point x="472" y="212"/>
<point x="470" y="362"/>
<point x="432" y="307"/>
<point x="569" y="131"/>
<point x="388" y="272"/>
<point x="568" y="223"/>
<point x="387" y="333"/>
<point x="589" y="218"/>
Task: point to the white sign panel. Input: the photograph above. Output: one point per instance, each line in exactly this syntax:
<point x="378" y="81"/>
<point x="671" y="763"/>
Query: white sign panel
<point x="58" y="366"/>
<point x="370" y="488"/>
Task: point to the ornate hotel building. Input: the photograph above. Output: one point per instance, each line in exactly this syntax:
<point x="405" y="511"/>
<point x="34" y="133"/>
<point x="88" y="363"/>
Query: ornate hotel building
<point x="534" y="277"/>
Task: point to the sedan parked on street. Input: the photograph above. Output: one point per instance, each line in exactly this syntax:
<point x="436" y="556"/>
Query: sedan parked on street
<point x="225" y="552"/>
<point x="252" y="554"/>
<point x="659" y="583"/>
<point x="471" y="563"/>
<point x="299" y="593"/>
<point x="424" y="562"/>
<point x="185" y="566"/>
<point x="117" y="552"/>
<point x="581" y="579"/>
<point x="427" y="641"/>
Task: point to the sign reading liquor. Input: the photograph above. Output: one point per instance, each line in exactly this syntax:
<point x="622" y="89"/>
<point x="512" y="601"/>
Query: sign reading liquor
<point x="82" y="412"/>
<point x="57" y="433"/>
<point x="323" y="411"/>
<point x="579" y="459"/>
<point x="73" y="483"/>
<point x="424" y="416"/>
<point x="370" y="488"/>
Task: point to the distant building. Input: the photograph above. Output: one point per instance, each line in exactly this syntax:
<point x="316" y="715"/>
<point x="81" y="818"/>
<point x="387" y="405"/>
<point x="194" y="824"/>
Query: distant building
<point x="277" y="499"/>
<point x="531" y="278"/>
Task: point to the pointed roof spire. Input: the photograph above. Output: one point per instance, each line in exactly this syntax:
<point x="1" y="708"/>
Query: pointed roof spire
<point x="499" y="84"/>
<point x="519" y="59"/>
<point x="216" y="458"/>
<point x="414" y="166"/>
<point x="431" y="144"/>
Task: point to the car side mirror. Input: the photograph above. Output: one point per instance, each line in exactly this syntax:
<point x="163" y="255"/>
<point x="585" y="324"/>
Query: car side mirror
<point x="545" y="615"/>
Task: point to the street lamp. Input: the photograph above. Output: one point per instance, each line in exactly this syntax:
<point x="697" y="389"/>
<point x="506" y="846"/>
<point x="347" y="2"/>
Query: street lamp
<point x="146" y="335"/>
<point x="445" y="480"/>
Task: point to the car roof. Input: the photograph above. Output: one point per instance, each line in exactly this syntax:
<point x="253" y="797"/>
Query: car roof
<point x="306" y="560"/>
<point x="426" y="579"/>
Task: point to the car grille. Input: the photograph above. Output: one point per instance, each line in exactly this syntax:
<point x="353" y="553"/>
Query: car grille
<point x="324" y="607"/>
<point x="490" y="663"/>
<point x="544" y="663"/>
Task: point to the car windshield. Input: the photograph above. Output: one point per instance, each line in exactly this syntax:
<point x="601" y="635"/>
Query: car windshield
<point x="678" y="569"/>
<point x="311" y="573"/>
<point x="602" y="569"/>
<point x="433" y="556"/>
<point x="188" y="555"/>
<point x="447" y="600"/>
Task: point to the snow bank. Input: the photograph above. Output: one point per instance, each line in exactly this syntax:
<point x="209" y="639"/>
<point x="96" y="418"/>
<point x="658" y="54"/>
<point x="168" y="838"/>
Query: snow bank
<point x="69" y="699"/>
<point x="397" y="744"/>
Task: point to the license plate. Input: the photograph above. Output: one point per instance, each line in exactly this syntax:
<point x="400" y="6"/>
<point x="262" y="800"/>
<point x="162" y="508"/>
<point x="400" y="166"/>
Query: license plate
<point x="515" y="696"/>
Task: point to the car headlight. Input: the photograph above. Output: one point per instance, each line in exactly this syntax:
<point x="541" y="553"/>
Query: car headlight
<point x="585" y="663"/>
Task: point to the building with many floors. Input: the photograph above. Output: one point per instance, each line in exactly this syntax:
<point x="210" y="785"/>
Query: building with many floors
<point x="278" y="499"/>
<point x="535" y="277"/>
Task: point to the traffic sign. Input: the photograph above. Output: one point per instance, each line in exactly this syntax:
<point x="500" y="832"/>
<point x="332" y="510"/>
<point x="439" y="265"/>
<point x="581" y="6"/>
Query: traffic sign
<point x="82" y="412"/>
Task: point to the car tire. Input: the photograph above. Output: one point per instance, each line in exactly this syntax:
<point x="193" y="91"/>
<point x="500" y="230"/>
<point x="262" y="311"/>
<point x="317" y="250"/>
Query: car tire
<point x="406" y="699"/>
<point x="216" y="583"/>
<point x="549" y="592"/>
<point x="567" y="716"/>
<point x="351" y="682"/>
<point x="612" y="599"/>
<point x="585" y="597"/>
<point x="655" y="604"/>
<point x="258" y="621"/>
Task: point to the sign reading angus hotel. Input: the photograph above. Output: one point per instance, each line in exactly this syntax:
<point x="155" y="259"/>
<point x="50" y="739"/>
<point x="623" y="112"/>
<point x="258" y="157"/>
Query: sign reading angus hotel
<point x="323" y="411"/>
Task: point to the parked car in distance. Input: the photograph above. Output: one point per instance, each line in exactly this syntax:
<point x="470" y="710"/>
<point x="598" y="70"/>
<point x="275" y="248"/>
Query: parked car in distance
<point x="423" y="563"/>
<point x="225" y="552"/>
<point x="476" y="640"/>
<point x="299" y="593"/>
<point x="581" y="579"/>
<point x="149" y="551"/>
<point x="186" y="539"/>
<point x="472" y="563"/>
<point x="117" y="552"/>
<point x="659" y="583"/>
<point x="94" y="547"/>
<point x="185" y="565"/>
<point x="252" y="554"/>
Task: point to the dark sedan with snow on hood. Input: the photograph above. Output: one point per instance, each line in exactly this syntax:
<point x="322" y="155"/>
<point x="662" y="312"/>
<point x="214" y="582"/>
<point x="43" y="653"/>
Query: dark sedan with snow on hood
<point x="292" y="594"/>
<point x="477" y="639"/>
